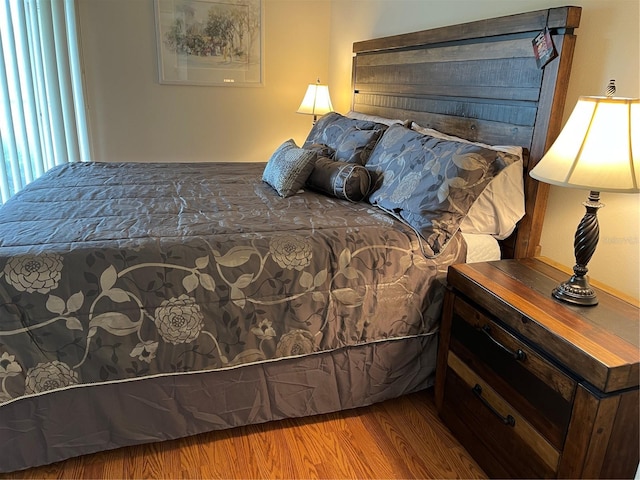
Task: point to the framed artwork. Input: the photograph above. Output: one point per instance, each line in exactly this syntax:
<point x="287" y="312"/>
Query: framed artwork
<point x="209" y="42"/>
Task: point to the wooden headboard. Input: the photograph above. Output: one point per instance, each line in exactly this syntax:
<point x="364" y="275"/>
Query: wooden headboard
<point x="479" y="81"/>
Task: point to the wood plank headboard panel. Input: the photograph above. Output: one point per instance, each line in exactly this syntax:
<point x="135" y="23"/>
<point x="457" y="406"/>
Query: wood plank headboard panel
<point x="478" y="81"/>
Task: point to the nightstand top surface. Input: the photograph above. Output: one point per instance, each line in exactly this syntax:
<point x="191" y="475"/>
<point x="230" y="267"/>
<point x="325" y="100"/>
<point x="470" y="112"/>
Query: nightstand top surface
<point x="600" y="343"/>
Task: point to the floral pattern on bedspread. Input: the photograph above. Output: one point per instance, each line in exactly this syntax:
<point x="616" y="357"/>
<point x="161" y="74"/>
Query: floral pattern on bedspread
<point x="89" y="309"/>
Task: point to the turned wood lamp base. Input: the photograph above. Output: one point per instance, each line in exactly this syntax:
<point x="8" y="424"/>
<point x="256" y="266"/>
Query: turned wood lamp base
<point x="577" y="290"/>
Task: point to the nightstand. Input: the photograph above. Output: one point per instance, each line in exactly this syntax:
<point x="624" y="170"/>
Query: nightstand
<point x="533" y="387"/>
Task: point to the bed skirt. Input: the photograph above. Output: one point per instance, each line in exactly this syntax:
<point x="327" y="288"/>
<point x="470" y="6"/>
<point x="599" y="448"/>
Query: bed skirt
<point x="48" y="428"/>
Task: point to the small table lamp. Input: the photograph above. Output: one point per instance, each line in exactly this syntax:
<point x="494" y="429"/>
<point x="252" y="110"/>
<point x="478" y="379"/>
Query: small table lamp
<point x="599" y="150"/>
<point x="316" y="101"/>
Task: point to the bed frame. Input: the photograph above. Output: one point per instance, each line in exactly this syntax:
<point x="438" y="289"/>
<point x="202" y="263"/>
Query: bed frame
<point x="478" y="81"/>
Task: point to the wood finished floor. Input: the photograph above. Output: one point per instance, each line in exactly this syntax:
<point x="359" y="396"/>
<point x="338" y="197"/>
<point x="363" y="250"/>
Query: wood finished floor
<point x="401" y="438"/>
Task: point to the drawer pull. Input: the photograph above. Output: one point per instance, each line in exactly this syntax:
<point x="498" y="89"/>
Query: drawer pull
<point x="518" y="354"/>
<point x="508" y="420"/>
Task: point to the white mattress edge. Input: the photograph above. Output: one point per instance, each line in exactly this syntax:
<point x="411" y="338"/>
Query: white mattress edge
<point x="481" y="248"/>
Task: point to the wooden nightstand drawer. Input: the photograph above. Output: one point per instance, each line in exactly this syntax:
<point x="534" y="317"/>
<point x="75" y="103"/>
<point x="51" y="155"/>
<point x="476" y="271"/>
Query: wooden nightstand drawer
<point x="497" y="428"/>
<point x="538" y="389"/>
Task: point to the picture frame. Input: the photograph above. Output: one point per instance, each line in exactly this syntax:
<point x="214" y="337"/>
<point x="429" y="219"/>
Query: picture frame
<point x="210" y="42"/>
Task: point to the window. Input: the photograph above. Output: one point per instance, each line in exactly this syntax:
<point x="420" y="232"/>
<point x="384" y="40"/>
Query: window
<point x="42" y="121"/>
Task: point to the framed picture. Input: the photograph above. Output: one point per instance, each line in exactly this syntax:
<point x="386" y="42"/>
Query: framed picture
<point x="209" y="42"/>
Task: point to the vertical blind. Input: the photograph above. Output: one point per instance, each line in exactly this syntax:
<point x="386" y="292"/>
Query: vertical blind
<point x="42" y="115"/>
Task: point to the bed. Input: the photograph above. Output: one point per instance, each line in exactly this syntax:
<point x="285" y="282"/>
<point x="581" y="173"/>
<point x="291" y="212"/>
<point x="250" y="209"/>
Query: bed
<point x="144" y="302"/>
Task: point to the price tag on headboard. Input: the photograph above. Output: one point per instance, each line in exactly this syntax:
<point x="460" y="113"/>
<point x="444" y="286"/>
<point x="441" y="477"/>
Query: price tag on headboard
<point x="543" y="48"/>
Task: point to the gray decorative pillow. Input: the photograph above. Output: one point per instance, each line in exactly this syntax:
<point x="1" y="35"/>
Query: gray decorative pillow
<point x="348" y="181"/>
<point x="288" y="168"/>
<point x="430" y="183"/>
<point x="330" y="127"/>
<point x="355" y="145"/>
<point x="322" y="150"/>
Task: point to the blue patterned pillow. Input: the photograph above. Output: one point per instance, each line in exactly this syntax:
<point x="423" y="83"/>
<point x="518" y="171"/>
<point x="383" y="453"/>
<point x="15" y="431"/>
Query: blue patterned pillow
<point x="355" y="145"/>
<point x="350" y="138"/>
<point x="322" y="150"/>
<point x="430" y="183"/>
<point x="288" y="168"/>
<point x="330" y="127"/>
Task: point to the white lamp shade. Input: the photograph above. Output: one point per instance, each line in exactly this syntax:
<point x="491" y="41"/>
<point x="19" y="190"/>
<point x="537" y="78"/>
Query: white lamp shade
<point x="316" y="101"/>
<point x="598" y="148"/>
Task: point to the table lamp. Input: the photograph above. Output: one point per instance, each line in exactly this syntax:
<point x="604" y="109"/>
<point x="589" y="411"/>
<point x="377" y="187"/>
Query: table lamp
<point x="598" y="150"/>
<point x="316" y="101"/>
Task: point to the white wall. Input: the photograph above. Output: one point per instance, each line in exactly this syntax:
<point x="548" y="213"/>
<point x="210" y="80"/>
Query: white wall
<point x="607" y="47"/>
<point x="134" y="118"/>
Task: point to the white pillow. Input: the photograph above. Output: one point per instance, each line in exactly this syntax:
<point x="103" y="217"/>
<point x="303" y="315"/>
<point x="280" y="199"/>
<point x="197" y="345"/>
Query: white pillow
<point x="501" y="205"/>
<point x="372" y="118"/>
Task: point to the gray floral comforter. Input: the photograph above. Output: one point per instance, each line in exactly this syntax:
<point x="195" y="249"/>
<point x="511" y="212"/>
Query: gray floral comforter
<point x="113" y="272"/>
